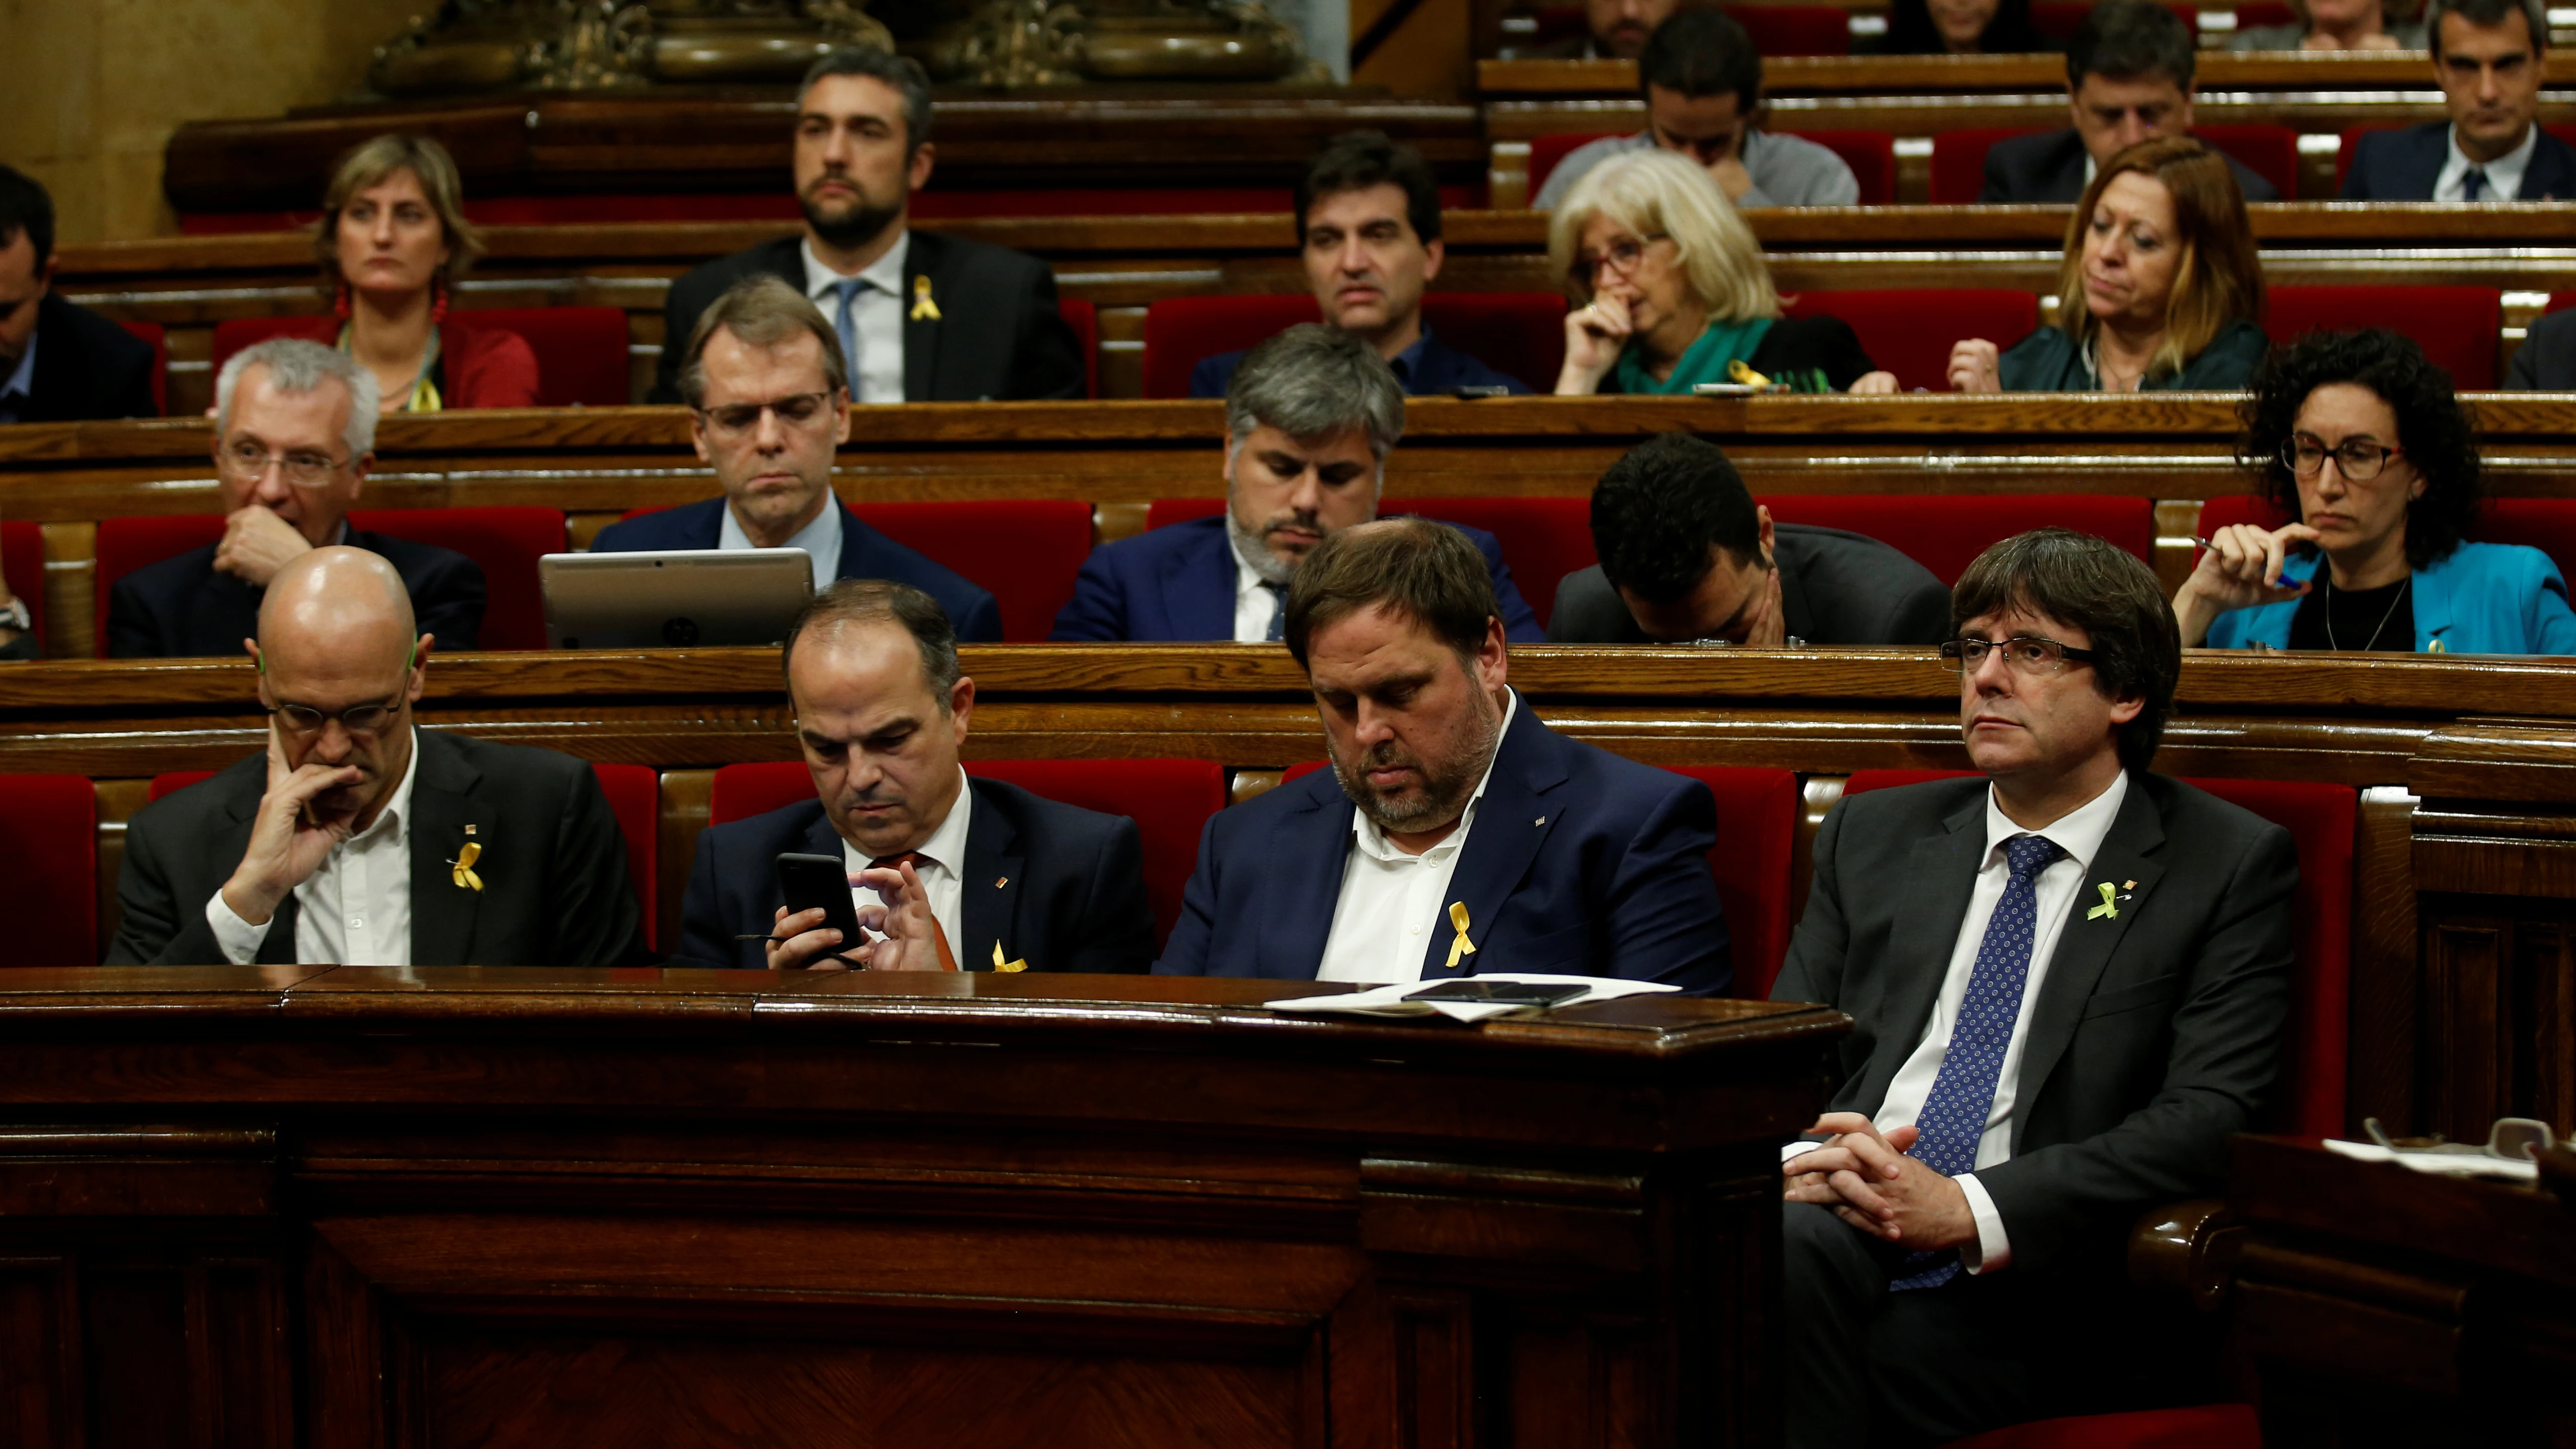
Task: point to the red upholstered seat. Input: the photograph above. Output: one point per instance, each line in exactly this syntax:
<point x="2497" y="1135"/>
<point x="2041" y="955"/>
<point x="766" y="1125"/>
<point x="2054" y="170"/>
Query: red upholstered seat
<point x="1910" y="331"/>
<point x="2257" y="14"/>
<point x="1170" y="801"/>
<point x="1795" y="29"/>
<point x="2209" y="1426"/>
<point x="1026" y="551"/>
<point x="2547" y="524"/>
<point x="127" y="544"/>
<point x="2456" y="326"/>
<point x="22" y="563"/>
<point x="173" y="782"/>
<point x="2268" y="150"/>
<point x="1945" y="532"/>
<point x="1959" y="157"/>
<point x="581" y="351"/>
<point x="49" y="894"/>
<point x="1084" y="319"/>
<point x="1520" y="333"/>
<point x="505" y="542"/>
<point x="1547" y="152"/>
<point x="1757" y="820"/>
<point x="635" y="797"/>
<point x="151" y="335"/>
<point x="1543" y="539"/>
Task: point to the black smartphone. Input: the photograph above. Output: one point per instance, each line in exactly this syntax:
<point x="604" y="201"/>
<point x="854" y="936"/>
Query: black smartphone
<point x="1513" y="993"/>
<point x="811" y="881"/>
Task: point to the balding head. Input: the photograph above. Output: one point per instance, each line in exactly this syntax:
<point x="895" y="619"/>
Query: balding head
<point x="337" y="648"/>
<point x="331" y="594"/>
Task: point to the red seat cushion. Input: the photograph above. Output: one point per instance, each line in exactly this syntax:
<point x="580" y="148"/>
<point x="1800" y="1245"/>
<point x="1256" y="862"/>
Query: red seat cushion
<point x="127" y="544"/>
<point x="505" y="542"/>
<point x="1910" y="331"/>
<point x="635" y="796"/>
<point x="22" y="562"/>
<point x="742" y="791"/>
<point x="1026" y="551"/>
<point x="49" y="895"/>
<point x="1084" y="319"/>
<point x="174" y="782"/>
<point x="151" y="335"/>
<point x="581" y="351"/>
<point x="1871" y="155"/>
<point x="2547" y="524"/>
<point x="2260" y="14"/>
<point x="1520" y="333"/>
<point x="2268" y="150"/>
<point x="2209" y="1426"/>
<point x="2457" y="327"/>
<point x="1945" y="532"/>
<point x="1757" y="822"/>
<point x="1549" y="152"/>
<point x="1795" y="29"/>
<point x="1543" y="539"/>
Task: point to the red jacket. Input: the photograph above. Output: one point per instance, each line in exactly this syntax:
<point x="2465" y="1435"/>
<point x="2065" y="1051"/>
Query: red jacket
<point x="480" y="367"/>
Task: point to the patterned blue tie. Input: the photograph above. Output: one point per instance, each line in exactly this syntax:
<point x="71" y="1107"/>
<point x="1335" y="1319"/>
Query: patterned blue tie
<point x="848" y="326"/>
<point x="2473" y="186"/>
<point x="1963" y="1095"/>
<point x="1278" y="612"/>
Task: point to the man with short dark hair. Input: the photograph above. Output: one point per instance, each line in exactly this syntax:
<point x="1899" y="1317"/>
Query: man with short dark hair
<point x="953" y="873"/>
<point x="1368" y="213"/>
<point x="1688" y="557"/>
<point x="2491" y="58"/>
<point x="1453" y="832"/>
<point x="921" y="317"/>
<point x="2069" y="979"/>
<point x="1310" y="417"/>
<point x="2128" y="79"/>
<point x="1702" y="79"/>
<point x="1612" y="30"/>
<point x="768" y="400"/>
<point x="59" y="362"/>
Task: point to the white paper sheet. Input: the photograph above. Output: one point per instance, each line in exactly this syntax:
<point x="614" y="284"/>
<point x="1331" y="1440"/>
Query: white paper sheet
<point x="2444" y="1164"/>
<point x="1389" y="1000"/>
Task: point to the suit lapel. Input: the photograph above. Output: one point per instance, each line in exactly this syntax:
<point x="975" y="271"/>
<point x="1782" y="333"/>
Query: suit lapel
<point x="989" y="891"/>
<point x="2086" y="942"/>
<point x="920" y="333"/>
<point x="1512" y="822"/>
<point x="1301" y="883"/>
<point x="445" y="814"/>
<point x="1198" y="591"/>
<point x="1931" y="903"/>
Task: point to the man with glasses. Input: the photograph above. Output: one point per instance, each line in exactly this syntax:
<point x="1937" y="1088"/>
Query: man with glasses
<point x="1687" y="557"/>
<point x="356" y="838"/>
<point x="295" y="433"/>
<point x="2069" y="978"/>
<point x="769" y="402"/>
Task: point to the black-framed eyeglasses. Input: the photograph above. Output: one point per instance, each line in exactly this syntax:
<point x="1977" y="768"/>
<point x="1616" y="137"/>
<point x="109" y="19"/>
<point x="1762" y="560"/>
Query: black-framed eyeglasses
<point x="2023" y="654"/>
<point x="795" y="410"/>
<point x="2357" y="461"/>
<point x="1622" y="257"/>
<point x="357" y="719"/>
<point x="245" y="461"/>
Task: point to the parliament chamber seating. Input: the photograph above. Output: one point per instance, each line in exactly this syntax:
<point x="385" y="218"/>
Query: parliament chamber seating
<point x="1519" y="333"/>
<point x="1084" y="318"/>
<point x="156" y="337"/>
<point x="2206" y="1426"/>
<point x="2456" y="326"/>
<point x="581" y="351"/>
<point x="1910" y="331"/>
<point x="49" y="831"/>
<point x="1959" y="156"/>
<point x="1871" y="155"/>
<point x="22" y="563"/>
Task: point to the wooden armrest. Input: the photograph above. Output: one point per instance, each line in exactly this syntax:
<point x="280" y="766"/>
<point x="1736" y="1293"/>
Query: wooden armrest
<point x="2187" y="1249"/>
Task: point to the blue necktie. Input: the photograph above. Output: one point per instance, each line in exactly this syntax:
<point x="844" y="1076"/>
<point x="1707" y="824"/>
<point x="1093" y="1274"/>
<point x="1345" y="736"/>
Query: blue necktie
<point x="848" y="326"/>
<point x="2473" y="183"/>
<point x="1278" y="612"/>
<point x="1963" y="1095"/>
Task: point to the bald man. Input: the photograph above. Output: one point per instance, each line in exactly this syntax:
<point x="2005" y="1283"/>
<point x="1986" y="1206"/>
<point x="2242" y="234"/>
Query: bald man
<point x="359" y="839"/>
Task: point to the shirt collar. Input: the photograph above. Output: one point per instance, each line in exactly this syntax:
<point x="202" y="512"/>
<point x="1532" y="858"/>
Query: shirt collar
<point x="2079" y="832"/>
<point x="2504" y="173"/>
<point x="821" y="540"/>
<point x="885" y="273"/>
<point x="946" y="846"/>
<point x="21" y="382"/>
<point x="1374" y="841"/>
<point x="396" y="816"/>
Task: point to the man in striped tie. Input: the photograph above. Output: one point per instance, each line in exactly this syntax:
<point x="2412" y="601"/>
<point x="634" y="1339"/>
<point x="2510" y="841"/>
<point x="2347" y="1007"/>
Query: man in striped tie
<point x="2069" y="979"/>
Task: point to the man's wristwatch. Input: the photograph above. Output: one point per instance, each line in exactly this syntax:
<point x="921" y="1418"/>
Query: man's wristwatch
<point x="16" y="616"/>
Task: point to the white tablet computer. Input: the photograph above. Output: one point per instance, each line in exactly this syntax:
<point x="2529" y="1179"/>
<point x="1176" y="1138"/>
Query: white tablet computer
<point x="674" y="600"/>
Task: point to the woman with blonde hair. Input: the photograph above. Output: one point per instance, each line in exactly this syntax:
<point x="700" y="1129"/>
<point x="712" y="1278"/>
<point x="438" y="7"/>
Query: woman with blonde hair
<point x="2160" y="290"/>
<point x="1675" y="292"/>
<point x="392" y="240"/>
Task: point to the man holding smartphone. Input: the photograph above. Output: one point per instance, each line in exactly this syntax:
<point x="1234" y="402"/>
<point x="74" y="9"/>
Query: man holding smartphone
<point x="947" y="873"/>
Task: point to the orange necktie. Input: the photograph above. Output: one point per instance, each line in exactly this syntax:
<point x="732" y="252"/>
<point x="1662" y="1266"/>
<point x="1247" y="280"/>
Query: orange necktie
<point x="947" y="961"/>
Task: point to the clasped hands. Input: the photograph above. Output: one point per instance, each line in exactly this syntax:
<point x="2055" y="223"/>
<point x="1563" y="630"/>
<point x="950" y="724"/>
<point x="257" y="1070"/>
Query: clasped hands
<point x="907" y="936"/>
<point x="1869" y="1182"/>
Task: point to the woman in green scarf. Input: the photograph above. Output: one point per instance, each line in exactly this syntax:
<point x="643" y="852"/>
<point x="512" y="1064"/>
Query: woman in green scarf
<point x="1674" y="291"/>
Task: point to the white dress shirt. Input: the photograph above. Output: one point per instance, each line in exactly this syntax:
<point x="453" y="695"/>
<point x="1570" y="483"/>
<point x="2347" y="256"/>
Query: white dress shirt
<point x="876" y="374"/>
<point x="2079" y="834"/>
<point x="2504" y="173"/>
<point x="355" y="910"/>
<point x="942" y="869"/>
<point x="18" y="389"/>
<point x="820" y="539"/>
<point x="1390" y="901"/>
<point x="1254" y="603"/>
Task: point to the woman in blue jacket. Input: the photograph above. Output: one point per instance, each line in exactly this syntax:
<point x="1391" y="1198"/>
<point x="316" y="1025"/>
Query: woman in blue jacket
<point x="2362" y="437"/>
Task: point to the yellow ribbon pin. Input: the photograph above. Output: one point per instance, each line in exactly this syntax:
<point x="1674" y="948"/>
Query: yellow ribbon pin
<point x="464" y="863"/>
<point x="1001" y="965"/>
<point x="1462" y="946"/>
<point x="2107" y="908"/>
<point x="1737" y="372"/>
<point x="923" y="309"/>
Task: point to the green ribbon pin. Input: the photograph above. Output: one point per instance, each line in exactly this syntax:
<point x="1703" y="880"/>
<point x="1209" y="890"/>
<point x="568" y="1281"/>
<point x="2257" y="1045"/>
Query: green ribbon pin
<point x="2107" y="908"/>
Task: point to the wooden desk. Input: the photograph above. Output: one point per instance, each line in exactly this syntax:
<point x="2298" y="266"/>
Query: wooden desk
<point x="624" y="1207"/>
<point x="2385" y="1307"/>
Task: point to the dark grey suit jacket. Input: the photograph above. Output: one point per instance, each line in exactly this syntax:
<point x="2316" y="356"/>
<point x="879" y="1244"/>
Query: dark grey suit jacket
<point x="998" y="336"/>
<point x="2402" y="165"/>
<point x="1835" y="588"/>
<point x="556" y="891"/>
<point x="2157" y="1032"/>
<point x="86" y="367"/>
<point x="2049" y="169"/>
<point x="2546" y="361"/>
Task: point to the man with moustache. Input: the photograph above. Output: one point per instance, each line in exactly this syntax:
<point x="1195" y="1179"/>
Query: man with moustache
<point x="357" y="838"/>
<point x="1454" y="833"/>
<point x="921" y="317"/>
<point x="1310" y="417"/>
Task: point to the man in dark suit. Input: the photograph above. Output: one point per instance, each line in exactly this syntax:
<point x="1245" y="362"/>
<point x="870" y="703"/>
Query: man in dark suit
<point x="769" y="403"/>
<point x="1686" y="555"/>
<point x="2491" y="58"/>
<point x="957" y="873"/>
<point x="1453" y="833"/>
<point x="295" y="432"/>
<point x="359" y="839"/>
<point x="2128" y="79"/>
<point x="59" y="362"/>
<point x="1310" y="417"/>
<point x="2068" y="981"/>
<point x="1368" y="213"/>
<point x="922" y="317"/>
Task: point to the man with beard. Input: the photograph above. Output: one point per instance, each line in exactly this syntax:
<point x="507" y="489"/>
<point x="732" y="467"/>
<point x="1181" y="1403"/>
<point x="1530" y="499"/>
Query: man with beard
<point x="1453" y="833"/>
<point x="357" y="838"/>
<point x="921" y="317"/>
<point x="1310" y="417"/>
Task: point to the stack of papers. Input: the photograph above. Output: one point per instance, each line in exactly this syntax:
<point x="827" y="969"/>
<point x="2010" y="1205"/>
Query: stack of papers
<point x="2447" y="1164"/>
<point x="1390" y="1000"/>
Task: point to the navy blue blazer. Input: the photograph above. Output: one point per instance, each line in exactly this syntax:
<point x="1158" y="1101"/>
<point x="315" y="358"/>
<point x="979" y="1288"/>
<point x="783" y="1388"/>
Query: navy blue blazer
<point x="1581" y="863"/>
<point x="865" y="554"/>
<point x="1054" y="885"/>
<point x="181" y="608"/>
<point x="2403" y="165"/>
<point x="1175" y="584"/>
<point x="1432" y="368"/>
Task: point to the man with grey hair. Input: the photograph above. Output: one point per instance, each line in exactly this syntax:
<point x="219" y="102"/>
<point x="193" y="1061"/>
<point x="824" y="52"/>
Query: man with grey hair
<point x="922" y="317"/>
<point x="295" y="433"/>
<point x="1310" y="416"/>
<point x="2490" y="58"/>
<point x="769" y="403"/>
